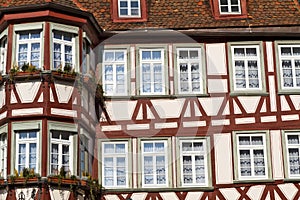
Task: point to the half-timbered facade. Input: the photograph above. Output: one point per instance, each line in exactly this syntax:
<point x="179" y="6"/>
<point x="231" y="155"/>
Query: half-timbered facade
<point x="150" y="99"/>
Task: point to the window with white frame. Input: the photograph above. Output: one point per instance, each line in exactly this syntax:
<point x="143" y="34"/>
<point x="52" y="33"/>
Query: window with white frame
<point x="154" y="163"/>
<point x="86" y="49"/>
<point x="293" y="147"/>
<point x="246" y="66"/>
<point x="289" y="60"/>
<point x="114" y="72"/>
<point x="84" y="155"/>
<point x="3" y="155"/>
<point x="193" y="162"/>
<point x="63" y="50"/>
<point x="230" y="6"/>
<point x="252" y="156"/>
<point x="190" y="77"/>
<point x="27" y="150"/>
<point x="61" y="152"/>
<point x="115" y="164"/>
<point x="3" y="54"/>
<point x="29" y="48"/>
<point x="129" y="8"/>
<point x="152" y="73"/>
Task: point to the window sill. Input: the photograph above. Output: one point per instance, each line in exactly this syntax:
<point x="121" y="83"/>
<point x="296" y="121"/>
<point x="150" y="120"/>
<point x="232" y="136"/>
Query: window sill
<point x="167" y="189"/>
<point x="254" y="181"/>
<point x="291" y="180"/>
<point x="289" y="92"/>
<point x="129" y="19"/>
<point x="190" y="95"/>
<point x="236" y="93"/>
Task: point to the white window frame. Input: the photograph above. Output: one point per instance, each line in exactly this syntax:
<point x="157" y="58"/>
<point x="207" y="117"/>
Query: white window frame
<point x="83" y="147"/>
<point x="86" y="51"/>
<point x="60" y="142"/>
<point x="152" y="62"/>
<point x="3" y="155"/>
<point x="114" y="64"/>
<point x="63" y="42"/>
<point x="251" y="147"/>
<point x="202" y="151"/>
<point x="114" y="155"/>
<point x="256" y="58"/>
<point x="129" y="9"/>
<point x="27" y="141"/>
<point x="292" y="144"/>
<point x="229" y="7"/>
<point x="154" y="155"/>
<point x="29" y="42"/>
<point x="189" y="61"/>
<point x="3" y="54"/>
<point x="292" y="58"/>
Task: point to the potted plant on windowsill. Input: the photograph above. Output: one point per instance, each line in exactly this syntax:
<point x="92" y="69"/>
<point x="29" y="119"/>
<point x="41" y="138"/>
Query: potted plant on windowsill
<point x="26" y="176"/>
<point x="63" y="177"/>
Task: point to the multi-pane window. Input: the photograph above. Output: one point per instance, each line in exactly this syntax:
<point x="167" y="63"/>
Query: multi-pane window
<point x="152" y="71"/>
<point x="29" y="48"/>
<point x="115" y="72"/>
<point x="86" y="49"/>
<point x="3" y="54"/>
<point x="189" y="70"/>
<point x="289" y="59"/>
<point x="193" y="162"/>
<point x="246" y="67"/>
<point x="60" y="152"/>
<point x="27" y="150"/>
<point x="129" y="8"/>
<point x="84" y="155"/>
<point x="3" y="155"/>
<point x="115" y="164"/>
<point x="252" y="156"/>
<point x="229" y="6"/>
<point x="154" y="163"/>
<point x="293" y="147"/>
<point x="63" y="50"/>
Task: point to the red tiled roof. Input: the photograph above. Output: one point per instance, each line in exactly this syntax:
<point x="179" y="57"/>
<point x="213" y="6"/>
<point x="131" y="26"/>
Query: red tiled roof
<point x="184" y="14"/>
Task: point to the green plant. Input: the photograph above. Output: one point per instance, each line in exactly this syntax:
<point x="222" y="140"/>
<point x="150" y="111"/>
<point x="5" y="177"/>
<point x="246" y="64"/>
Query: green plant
<point x="62" y="172"/>
<point x="25" y="67"/>
<point x="67" y="68"/>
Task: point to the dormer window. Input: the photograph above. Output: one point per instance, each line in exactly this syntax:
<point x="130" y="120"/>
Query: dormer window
<point x="29" y="48"/>
<point x="129" y="8"/>
<point x="230" y="6"/>
<point x="63" y="49"/>
<point x="228" y="9"/>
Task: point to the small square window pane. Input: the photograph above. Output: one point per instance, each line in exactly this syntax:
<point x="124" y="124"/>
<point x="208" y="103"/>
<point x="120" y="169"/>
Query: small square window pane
<point x="57" y="35"/>
<point x="183" y="54"/>
<point x="24" y="36"/>
<point x="123" y="4"/>
<point x="286" y="51"/>
<point x="239" y="52"/>
<point x="134" y="4"/>
<point x="194" y="54"/>
<point x="123" y="12"/>
<point x="35" y="35"/>
<point x="293" y="139"/>
<point x="224" y="2"/>
<point x="120" y="148"/>
<point x="148" y="147"/>
<point x="234" y="2"/>
<point x="235" y="9"/>
<point x="146" y="55"/>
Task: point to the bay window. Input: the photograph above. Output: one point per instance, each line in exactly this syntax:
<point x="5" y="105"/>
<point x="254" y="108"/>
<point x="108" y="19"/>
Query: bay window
<point x="152" y="72"/>
<point x="63" y="50"/>
<point x="27" y="150"/>
<point x="29" y="48"/>
<point x="3" y="155"/>
<point x="61" y="152"/>
<point x="115" y="72"/>
<point x="115" y="164"/>
<point x="3" y="54"/>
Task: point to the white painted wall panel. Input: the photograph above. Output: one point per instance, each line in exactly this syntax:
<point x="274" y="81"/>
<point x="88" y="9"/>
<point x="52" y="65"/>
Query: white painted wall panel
<point x="64" y="112"/>
<point x="27" y="111"/>
<point x="249" y="103"/>
<point x="217" y="86"/>
<point x="168" y="108"/>
<point x="120" y="110"/>
<point x="223" y="157"/>
<point x="273" y="93"/>
<point x="27" y="91"/>
<point x="216" y="59"/>
<point x="276" y="153"/>
<point x="2" y="96"/>
<point x="64" y="92"/>
<point x="211" y="105"/>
